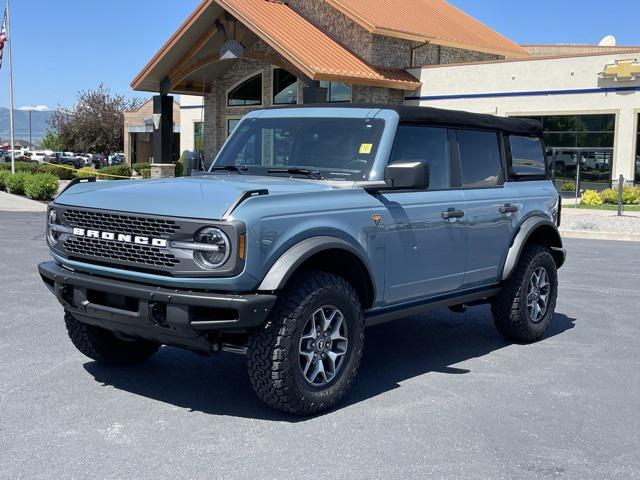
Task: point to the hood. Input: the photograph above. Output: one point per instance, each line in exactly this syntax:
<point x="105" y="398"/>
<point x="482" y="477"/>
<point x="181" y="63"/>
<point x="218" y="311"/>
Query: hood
<point x="206" y="197"/>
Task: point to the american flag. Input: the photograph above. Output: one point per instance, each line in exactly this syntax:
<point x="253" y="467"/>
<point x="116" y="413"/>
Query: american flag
<point x="3" y="35"/>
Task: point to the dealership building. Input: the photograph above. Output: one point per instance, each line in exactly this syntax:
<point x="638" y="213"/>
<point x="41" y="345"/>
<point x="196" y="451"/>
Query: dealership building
<point x="233" y="56"/>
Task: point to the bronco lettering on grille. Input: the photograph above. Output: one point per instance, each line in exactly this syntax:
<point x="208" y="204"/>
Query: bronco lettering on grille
<point x="119" y="237"/>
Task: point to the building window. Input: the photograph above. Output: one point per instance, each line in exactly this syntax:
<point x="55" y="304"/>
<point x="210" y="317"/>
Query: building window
<point x="285" y="87"/>
<point x="232" y="123"/>
<point x="337" y="92"/>
<point x="637" y="162"/>
<point x="198" y="137"/>
<point x="248" y="93"/>
<point x="580" y="143"/>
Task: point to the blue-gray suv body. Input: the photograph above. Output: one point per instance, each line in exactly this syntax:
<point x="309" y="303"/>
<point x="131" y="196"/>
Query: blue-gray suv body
<point x="312" y="223"/>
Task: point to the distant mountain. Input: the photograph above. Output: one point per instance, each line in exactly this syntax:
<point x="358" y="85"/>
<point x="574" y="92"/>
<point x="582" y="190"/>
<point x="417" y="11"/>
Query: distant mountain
<point x="39" y="125"/>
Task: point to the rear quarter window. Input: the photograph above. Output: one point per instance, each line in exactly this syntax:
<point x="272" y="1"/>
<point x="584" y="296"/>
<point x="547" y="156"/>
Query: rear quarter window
<point x="528" y="158"/>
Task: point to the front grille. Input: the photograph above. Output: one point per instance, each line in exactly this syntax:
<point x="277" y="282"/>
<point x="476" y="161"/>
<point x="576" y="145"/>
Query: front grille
<point x="120" y="252"/>
<point x="121" y="223"/>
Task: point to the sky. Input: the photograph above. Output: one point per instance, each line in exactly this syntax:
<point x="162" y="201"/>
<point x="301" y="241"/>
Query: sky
<point x="66" y="46"/>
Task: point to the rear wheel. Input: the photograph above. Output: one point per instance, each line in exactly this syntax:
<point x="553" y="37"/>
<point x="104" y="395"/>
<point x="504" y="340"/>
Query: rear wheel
<point x="103" y="346"/>
<point x="306" y="357"/>
<point x="523" y="310"/>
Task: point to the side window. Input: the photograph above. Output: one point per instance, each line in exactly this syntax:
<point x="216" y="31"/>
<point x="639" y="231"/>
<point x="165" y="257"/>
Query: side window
<point x="480" y="158"/>
<point x="428" y="145"/>
<point x="527" y="156"/>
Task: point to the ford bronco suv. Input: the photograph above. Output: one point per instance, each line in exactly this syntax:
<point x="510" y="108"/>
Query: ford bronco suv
<point x="311" y="224"/>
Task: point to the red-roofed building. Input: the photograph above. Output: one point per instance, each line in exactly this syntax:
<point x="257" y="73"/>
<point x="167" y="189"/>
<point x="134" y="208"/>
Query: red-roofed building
<point x="244" y="54"/>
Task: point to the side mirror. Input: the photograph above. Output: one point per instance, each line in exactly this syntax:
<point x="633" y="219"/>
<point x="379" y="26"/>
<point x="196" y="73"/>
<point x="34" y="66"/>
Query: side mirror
<point x="191" y="164"/>
<point x="407" y="176"/>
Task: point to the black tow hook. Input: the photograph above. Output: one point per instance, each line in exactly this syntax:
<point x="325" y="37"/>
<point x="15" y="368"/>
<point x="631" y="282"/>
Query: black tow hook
<point x="158" y="313"/>
<point x="66" y="293"/>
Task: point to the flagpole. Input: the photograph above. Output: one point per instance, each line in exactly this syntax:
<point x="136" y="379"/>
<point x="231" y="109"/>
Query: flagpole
<point x="10" y="40"/>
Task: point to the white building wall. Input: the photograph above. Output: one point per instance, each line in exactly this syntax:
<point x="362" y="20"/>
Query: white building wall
<point x="559" y="86"/>
<point x="190" y="113"/>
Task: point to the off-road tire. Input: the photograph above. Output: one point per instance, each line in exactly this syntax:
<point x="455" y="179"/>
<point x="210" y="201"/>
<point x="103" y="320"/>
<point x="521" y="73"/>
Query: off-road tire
<point x="103" y="346"/>
<point x="273" y="358"/>
<point x="509" y="307"/>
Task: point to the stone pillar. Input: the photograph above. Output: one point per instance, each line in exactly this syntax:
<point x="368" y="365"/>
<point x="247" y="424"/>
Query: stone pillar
<point x="162" y="164"/>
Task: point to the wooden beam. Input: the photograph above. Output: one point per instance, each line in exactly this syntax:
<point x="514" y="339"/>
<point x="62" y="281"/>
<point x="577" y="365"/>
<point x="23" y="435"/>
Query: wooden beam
<point x="191" y="53"/>
<point x="179" y="76"/>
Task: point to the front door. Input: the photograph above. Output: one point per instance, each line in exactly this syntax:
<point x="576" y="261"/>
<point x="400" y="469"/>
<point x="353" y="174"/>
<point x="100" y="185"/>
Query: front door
<point x="425" y="230"/>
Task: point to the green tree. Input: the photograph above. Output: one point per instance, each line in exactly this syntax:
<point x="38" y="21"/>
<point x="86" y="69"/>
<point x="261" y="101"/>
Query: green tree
<point x="51" y="142"/>
<point x="96" y="123"/>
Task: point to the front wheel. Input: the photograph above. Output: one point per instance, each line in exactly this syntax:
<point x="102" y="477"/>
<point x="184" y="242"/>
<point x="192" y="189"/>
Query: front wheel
<point x="304" y="360"/>
<point x="523" y="310"/>
<point x="103" y="346"/>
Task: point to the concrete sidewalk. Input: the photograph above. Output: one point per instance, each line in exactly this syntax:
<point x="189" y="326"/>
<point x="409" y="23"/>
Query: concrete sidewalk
<point x="14" y="203"/>
<point x="600" y="224"/>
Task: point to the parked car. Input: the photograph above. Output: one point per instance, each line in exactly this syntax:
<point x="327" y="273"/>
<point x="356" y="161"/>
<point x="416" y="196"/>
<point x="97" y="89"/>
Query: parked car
<point x="40" y="155"/>
<point x="116" y="159"/>
<point x="58" y="159"/>
<point x="310" y="225"/>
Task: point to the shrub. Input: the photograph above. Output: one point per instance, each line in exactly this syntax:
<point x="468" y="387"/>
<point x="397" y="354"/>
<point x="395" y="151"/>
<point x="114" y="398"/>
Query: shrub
<point x="56" y="171"/>
<point x="117" y="170"/>
<point x="138" y="167"/>
<point x="87" y="172"/>
<point x="4" y="175"/>
<point x="16" y="182"/>
<point x="145" y="172"/>
<point x="568" y="187"/>
<point x="591" y="197"/>
<point x="30" y="167"/>
<point x="609" y="196"/>
<point x="42" y="186"/>
<point x="630" y="195"/>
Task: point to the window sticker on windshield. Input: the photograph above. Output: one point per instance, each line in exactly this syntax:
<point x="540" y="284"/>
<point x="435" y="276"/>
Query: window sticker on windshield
<point x="366" y="148"/>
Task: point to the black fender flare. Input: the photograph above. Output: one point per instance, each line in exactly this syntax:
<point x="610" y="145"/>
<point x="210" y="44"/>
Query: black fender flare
<point x="527" y="228"/>
<point x="282" y="270"/>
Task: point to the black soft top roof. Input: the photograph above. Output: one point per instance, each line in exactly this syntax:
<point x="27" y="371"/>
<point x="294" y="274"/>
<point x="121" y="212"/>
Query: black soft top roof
<point x="438" y="116"/>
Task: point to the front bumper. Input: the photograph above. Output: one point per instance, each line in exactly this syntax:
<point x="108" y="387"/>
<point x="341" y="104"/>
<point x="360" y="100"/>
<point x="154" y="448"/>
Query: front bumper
<point x="169" y="316"/>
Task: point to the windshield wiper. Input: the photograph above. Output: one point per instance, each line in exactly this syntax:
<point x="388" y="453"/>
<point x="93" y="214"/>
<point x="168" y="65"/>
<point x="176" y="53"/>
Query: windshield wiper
<point x="229" y="168"/>
<point x="315" y="174"/>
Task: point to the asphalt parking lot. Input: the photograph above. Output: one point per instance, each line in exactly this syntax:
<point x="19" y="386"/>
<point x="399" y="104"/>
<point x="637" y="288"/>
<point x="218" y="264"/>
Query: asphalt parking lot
<point x="438" y="396"/>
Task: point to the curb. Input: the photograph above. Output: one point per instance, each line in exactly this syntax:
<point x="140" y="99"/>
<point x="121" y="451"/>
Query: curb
<point x="621" y="237"/>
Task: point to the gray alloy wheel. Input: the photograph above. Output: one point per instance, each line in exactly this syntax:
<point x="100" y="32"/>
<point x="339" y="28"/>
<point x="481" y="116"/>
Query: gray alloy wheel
<point x="523" y="310"/>
<point x="323" y="346"/>
<point x="538" y="294"/>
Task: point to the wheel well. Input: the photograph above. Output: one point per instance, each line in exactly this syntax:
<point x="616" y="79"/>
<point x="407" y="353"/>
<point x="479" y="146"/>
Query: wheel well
<point x="348" y="266"/>
<point x="547" y="236"/>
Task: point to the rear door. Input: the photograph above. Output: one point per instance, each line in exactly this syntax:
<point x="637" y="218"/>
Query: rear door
<point x="492" y="205"/>
<point x="425" y="253"/>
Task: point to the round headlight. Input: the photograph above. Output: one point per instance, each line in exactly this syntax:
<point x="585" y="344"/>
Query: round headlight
<point x="52" y="235"/>
<point x="216" y="248"/>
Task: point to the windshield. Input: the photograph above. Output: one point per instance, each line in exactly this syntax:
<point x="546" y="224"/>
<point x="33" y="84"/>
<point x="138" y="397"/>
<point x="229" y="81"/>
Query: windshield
<point x="333" y="148"/>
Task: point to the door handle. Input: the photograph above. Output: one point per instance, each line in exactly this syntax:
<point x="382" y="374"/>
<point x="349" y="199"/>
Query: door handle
<point x="508" y="208"/>
<point x="452" y="213"/>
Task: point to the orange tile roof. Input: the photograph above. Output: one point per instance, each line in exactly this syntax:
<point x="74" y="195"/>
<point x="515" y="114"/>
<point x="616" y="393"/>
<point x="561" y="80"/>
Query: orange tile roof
<point x="309" y="49"/>
<point x="436" y="21"/>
